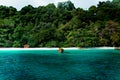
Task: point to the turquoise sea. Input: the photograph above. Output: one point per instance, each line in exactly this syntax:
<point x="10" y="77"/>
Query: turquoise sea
<point x="90" y="64"/>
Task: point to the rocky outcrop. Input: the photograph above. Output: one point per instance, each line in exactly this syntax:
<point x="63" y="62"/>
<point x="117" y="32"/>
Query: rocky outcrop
<point x="26" y="46"/>
<point x="61" y="50"/>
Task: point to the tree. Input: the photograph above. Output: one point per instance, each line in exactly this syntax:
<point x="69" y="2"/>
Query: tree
<point x="26" y="9"/>
<point x="116" y="0"/>
<point x="12" y="11"/>
<point x="111" y="31"/>
<point x="67" y="5"/>
<point x="4" y="11"/>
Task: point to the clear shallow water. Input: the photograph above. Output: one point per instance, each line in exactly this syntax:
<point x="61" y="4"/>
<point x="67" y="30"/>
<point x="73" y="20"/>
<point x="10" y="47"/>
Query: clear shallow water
<point x="91" y="64"/>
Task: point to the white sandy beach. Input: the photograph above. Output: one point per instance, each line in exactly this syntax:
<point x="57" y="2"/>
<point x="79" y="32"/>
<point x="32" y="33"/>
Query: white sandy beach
<point x="71" y="48"/>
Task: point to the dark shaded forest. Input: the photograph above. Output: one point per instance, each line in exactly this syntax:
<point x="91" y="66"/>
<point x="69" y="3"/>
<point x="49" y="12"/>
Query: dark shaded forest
<point x="61" y="26"/>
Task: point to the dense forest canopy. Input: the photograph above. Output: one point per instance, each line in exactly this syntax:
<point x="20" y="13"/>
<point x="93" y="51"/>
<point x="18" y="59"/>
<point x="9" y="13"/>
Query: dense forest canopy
<point x="61" y="26"/>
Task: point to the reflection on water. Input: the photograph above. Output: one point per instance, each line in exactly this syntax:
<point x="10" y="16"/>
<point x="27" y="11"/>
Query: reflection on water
<point x="50" y="65"/>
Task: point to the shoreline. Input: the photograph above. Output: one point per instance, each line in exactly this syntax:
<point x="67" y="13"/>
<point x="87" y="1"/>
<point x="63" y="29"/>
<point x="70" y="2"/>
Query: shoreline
<point x="69" y="48"/>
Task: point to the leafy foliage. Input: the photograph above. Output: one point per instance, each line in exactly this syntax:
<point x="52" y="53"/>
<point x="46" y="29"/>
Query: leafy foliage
<point x="61" y="26"/>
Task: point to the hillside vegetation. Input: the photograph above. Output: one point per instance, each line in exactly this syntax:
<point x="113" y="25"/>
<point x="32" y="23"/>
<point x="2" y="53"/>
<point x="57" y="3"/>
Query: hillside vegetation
<point x="61" y="26"/>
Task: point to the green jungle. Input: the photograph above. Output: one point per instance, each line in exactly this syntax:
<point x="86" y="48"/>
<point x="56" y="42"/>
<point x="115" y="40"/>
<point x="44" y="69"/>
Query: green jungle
<point x="61" y="26"/>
